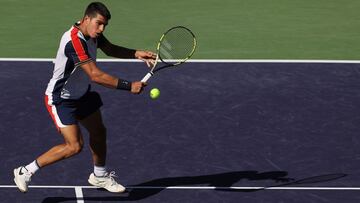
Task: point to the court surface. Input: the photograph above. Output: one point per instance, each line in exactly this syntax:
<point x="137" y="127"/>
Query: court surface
<point x="225" y="131"/>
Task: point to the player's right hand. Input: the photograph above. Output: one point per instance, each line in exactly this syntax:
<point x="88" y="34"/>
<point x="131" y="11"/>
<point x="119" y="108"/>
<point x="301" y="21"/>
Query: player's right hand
<point x="137" y="87"/>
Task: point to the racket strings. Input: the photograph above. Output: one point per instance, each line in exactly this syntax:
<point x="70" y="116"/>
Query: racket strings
<point x="177" y="45"/>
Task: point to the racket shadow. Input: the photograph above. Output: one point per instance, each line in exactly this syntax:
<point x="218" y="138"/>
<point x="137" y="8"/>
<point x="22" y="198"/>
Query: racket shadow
<point x="315" y="179"/>
<point x="304" y="181"/>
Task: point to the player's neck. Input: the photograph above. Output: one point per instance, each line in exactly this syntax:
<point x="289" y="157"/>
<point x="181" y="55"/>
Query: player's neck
<point x="82" y="28"/>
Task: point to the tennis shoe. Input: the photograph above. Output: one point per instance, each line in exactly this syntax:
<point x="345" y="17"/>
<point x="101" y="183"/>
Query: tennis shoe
<point x="22" y="177"/>
<point x="107" y="182"/>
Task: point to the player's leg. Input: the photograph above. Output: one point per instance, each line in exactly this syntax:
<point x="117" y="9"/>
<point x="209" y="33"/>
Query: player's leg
<point x="97" y="135"/>
<point x="73" y="143"/>
<point x="89" y="115"/>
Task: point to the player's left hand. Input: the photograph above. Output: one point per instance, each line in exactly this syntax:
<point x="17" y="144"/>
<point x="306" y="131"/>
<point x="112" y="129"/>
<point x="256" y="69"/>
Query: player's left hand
<point x="147" y="56"/>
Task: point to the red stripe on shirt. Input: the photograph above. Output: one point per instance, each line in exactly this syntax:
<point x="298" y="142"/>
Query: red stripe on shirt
<point x="49" y="108"/>
<point x="79" y="49"/>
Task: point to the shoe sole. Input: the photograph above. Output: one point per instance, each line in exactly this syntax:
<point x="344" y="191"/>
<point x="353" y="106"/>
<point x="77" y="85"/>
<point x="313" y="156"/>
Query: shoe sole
<point x="15" y="174"/>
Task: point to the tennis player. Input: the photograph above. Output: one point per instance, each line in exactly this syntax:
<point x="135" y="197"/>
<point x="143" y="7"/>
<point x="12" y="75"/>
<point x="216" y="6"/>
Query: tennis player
<point x="70" y="100"/>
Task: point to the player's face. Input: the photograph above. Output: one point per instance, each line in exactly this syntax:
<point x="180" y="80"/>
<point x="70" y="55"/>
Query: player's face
<point x="96" y="26"/>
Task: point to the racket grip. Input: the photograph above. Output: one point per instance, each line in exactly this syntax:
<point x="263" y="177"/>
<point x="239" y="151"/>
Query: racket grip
<point x="147" y="77"/>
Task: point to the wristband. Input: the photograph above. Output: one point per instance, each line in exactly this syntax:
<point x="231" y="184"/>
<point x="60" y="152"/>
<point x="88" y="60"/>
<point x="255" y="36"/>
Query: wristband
<point x="123" y="85"/>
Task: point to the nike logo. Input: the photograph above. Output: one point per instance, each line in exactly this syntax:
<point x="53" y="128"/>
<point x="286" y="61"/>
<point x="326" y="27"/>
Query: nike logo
<point x="20" y="171"/>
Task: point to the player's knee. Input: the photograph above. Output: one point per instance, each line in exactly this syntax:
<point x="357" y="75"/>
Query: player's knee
<point x="75" y="148"/>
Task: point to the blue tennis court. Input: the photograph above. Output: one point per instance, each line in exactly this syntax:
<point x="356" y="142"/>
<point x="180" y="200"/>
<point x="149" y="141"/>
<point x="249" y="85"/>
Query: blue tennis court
<point x="221" y="131"/>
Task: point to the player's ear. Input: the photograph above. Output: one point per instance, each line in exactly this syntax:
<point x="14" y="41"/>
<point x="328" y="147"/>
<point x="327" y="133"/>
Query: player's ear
<point x="86" y="19"/>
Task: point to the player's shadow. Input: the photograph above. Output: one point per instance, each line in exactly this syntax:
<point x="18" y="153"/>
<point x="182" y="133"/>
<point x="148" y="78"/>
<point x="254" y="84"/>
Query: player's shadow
<point x="220" y="181"/>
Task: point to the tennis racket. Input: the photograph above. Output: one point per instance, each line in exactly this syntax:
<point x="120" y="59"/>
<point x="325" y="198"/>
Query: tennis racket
<point x="175" y="46"/>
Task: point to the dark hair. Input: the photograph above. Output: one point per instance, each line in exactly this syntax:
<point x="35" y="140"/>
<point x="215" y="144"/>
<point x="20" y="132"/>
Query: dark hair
<point x="95" y="8"/>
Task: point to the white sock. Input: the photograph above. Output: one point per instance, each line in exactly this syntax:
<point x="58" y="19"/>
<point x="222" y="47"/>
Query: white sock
<point x="99" y="171"/>
<point x="32" y="167"/>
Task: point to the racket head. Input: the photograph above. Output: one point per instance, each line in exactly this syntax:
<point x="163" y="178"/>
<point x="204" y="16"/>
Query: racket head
<point x="176" y="45"/>
<point x="321" y="178"/>
<point x="313" y="179"/>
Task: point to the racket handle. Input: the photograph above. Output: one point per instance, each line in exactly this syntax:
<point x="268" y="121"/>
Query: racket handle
<point x="147" y="77"/>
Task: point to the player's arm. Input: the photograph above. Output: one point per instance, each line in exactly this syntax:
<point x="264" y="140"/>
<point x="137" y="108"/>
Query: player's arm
<point x="113" y="50"/>
<point x="100" y="77"/>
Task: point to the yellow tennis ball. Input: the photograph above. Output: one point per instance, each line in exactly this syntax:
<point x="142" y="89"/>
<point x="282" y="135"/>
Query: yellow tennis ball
<point x="154" y="93"/>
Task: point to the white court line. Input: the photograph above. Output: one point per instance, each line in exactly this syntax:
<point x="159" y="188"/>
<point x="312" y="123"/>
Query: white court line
<point x="200" y="60"/>
<point x="244" y="188"/>
<point x="78" y="189"/>
<point x="79" y="194"/>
